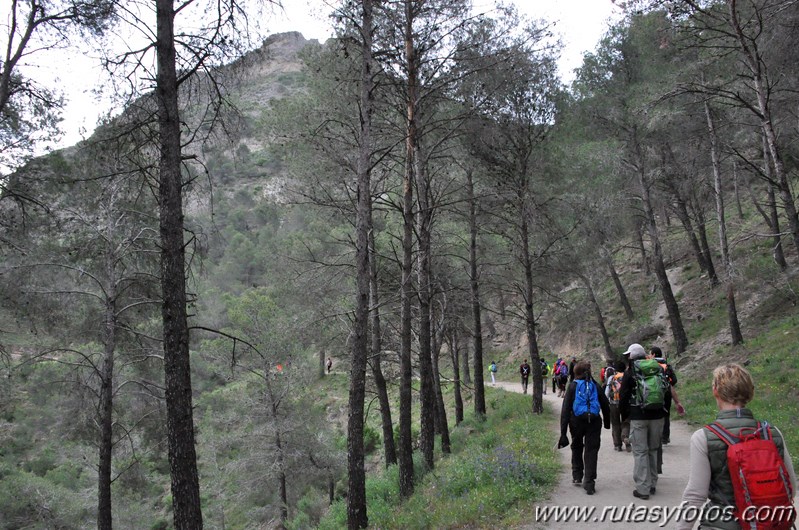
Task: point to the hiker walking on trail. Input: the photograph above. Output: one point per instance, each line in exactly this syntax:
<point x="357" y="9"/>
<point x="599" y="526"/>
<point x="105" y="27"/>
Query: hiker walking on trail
<point x="563" y="378"/>
<point x="544" y="374"/>
<point x="581" y="415"/>
<point x="671" y="395"/>
<point x="524" y="370"/>
<point x="722" y="476"/>
<point x="620" y="430"/>
<point x="493" y="370"/>
<point x="555" y="376"/>
<point x="329" y="364"/>
<point x="641" y="399"/>
<point x="657" y="354"/>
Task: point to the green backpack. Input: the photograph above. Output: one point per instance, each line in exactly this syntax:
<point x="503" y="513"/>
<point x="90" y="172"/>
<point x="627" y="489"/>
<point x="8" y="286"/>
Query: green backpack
<point x="650" y="385"/>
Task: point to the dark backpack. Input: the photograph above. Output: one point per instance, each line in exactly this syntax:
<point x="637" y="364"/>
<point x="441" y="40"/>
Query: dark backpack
<point x="544" y="368"/>
<point x="586" y="399"/>
<point x="650" y="385"/>
<point x="763" y="494"/>
<point x="525" y="369"/>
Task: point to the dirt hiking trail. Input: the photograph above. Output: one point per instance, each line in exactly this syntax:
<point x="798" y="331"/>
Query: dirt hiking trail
<point x="614" y="483"/>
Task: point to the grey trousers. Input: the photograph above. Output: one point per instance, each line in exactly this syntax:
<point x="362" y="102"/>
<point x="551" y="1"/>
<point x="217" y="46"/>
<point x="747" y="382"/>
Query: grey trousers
<point x="645" y="435"/>
<point x="619" y="429"/>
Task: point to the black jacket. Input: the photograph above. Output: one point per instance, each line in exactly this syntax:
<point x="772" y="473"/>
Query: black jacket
<point x="566" y="413"/>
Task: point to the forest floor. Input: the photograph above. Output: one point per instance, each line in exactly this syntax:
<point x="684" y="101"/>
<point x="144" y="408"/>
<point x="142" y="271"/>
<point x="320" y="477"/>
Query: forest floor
<point x="614" y="484"/>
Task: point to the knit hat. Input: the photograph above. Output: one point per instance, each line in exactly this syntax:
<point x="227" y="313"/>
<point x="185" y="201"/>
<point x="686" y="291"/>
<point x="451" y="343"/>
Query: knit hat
<point x="636" y="352"/>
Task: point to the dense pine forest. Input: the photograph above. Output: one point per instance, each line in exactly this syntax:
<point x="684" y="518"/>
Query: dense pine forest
<point x="413" y="199"/>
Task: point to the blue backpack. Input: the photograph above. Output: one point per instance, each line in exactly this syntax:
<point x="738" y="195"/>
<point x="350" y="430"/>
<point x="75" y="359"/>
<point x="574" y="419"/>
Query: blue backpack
<point x="586" y="399"/>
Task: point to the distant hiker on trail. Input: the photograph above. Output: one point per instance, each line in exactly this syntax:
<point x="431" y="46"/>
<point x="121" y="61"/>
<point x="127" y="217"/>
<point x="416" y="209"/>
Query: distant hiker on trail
<point x="657" y="353"/>
<point x="544" y="374"/>
<point x="581" y="414"/>
<point x="563" y="378"/>
<point x="641" y="399"/>
<point x="555" y="376"/>
<point x="329" y="364"/>
<point x="718" y="475"/>
<point x="606" y="373"/>
<point x="620" y="430"/>
<point x="493" y="370"/>
<point x="524" y="370"/>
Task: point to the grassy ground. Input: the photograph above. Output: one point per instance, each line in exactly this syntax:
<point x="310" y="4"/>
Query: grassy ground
<point x="771" y="358"/>
<point x="498" y="468"/>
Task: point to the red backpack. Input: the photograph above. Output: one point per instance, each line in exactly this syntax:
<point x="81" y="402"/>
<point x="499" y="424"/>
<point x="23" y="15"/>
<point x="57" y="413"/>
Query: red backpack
<point x="763" y="493"/>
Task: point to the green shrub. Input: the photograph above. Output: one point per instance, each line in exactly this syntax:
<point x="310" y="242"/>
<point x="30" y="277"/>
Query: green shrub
<point x="371" y="439"/>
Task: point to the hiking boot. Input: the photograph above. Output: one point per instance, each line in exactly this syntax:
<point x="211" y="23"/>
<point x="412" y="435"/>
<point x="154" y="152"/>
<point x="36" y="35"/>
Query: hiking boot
<point x="641" y="496"/>
<point x="665" y="441"/>
<point x="577" y="481"/>
<point x="652" y="490"/>
<point x="589" y="490"/>
<point x="617" y="448"/>
<point x="629" y="447"/>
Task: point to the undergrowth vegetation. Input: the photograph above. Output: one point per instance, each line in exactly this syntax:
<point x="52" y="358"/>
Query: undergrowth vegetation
<point x="497" y="469"/>
<point x="771" y="359"/>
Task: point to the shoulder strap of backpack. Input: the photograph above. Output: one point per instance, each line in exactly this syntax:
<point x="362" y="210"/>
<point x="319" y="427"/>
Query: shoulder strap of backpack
<point x="724" y="435"/>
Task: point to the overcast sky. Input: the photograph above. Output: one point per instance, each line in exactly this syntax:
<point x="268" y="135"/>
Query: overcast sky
<point x="580" y="24"/>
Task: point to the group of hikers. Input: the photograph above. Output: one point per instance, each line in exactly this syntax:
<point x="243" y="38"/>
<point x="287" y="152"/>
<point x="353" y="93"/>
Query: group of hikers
<point x="738" y="464"/>
<point x="633" y="398"/>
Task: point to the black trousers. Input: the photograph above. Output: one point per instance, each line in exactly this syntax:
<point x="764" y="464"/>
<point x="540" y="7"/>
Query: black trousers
<point x="586" y="433"/>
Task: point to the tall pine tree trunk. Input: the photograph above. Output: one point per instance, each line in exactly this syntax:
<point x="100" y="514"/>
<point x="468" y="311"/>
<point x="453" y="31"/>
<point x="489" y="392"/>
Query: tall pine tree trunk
<point x="779" y="253"/>
<point x="625" y="302"/>
<point x="474" y="284"/>
<point x="105" y="413"/>
<point x="529" y="315"/>
<point x="272" y="406"/>
<point x="754" y="62"/>
<point x="729" y="280"/>
<point x="442" y="425"/>
<point x="464" y="358"/>
<point x="376" y="358"/>
<point x="701" y="228"/>
<point x="677" y="329"/>
<point x="177" y="366"/>
<point x="737" y="190"/>
<point x="357" y="516"/>
<point x="406" y="480"/>
<point x="681" y="211"/>
<point x="639" y="238"/>
<point x="600" y="319"/>
<point x="455" y="354"/>
<point x="773" y="217"/>
<point x="424" y="217"/>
